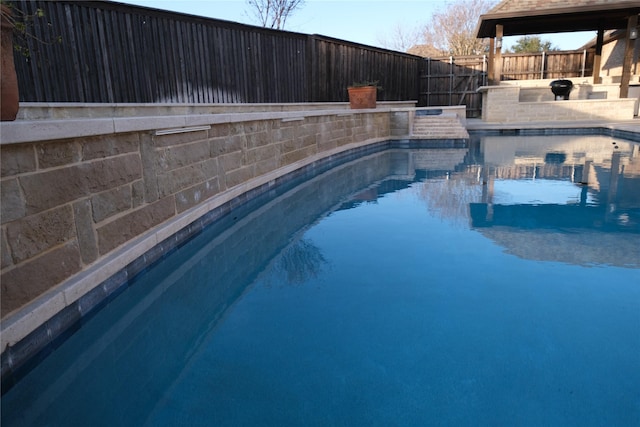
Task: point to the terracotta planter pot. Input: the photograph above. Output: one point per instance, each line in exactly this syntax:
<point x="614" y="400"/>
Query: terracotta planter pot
<point x="362" y="97"/>
<point x="9" y="97"/>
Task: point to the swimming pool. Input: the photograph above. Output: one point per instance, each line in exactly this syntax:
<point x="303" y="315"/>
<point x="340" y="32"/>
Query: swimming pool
<point x="497" y="284"/>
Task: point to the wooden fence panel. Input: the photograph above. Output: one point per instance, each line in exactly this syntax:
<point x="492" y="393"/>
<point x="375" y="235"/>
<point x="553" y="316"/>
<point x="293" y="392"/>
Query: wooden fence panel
<point x="569" y="64"/>
<point x="116" y="53"/>
<point x="454" y="81"/>
<point x="337" y="64"/>
<point x="547" y="65"/>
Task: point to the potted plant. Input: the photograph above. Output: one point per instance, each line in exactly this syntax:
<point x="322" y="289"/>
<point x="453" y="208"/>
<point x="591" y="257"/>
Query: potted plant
<point x="8" y="80"/>
<point x="363" y="95"/>
<point x="16" y="33"/>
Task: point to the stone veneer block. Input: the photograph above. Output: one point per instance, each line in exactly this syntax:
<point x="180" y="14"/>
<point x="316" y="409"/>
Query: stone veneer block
<point x="256" y="126"/>
<point x="137" y="193"/>
<point x="238" y="176"/>
<point x="127" y="227"/>
<point x="5" y="256"/>
<point x="180" y="179"/>
<point x="57" y="153"/>
<point x="308" y="140"/>
<point x="327" y="145"/>
<point x="226" y="145"/>
<point x="266" y="166"/>
<point x="59" y="186"/>
<point x="149" y="165"/>
<point x="17" y="159"/>
<point x="84" y="227"/>
<point x="175" y="157"/>
<point x="111" y="202"/>
<point x="98" y="147"/>
<point x="231" y="161"/>
<point x="37" y="233"/>
<point x="294" y="156"/>
<point x="197" y="194"/>
<point x="289" y="145"/>
<point x="30" y="279"/>
<point x="259" y="154"/>
<point x="283" y="134"/>
<point x="258" y="139"/>
<point x="219" y="130"/>
<point x="210" y="167"/>
<point x="12" y="203"/>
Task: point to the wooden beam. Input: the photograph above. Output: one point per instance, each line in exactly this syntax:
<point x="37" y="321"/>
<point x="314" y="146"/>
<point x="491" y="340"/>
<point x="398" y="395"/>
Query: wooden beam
<point x="498" y="58"/>
<point x="597" y="60"/>
<point x="490" y="64"/>
<point x="628" y="57"/>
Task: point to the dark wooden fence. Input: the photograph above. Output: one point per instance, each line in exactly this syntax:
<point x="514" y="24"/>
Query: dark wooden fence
<point x="106" y="52"/>
<point x="110" y="52"/>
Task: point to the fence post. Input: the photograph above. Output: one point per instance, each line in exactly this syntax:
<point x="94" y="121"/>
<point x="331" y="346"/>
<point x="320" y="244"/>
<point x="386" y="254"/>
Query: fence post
<point x="310" y="70"/>
<point x="484" y="70"/>
<point x="584" y="61"/>
<point x="542" y="66"/>
<point x="428" y="82"/>
<point x="450" y="80"/>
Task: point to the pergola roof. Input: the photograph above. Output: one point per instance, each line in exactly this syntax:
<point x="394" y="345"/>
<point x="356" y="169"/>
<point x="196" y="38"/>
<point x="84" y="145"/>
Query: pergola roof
<point x="521" y="17"/>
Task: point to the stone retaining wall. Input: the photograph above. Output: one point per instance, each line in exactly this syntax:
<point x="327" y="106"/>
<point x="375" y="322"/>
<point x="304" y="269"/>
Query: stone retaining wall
<point x="501" y="104"/>
<point x="76" y="209"/>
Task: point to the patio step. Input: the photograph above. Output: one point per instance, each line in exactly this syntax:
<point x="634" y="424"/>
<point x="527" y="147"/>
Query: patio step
<point x="442" y="126"/>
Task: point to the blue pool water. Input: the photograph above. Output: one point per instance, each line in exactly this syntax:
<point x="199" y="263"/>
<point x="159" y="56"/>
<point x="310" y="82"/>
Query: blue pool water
<point x="482" y="286"/>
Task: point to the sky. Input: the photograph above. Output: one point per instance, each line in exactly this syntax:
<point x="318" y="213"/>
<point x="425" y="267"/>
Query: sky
<point x="344" y="19"/>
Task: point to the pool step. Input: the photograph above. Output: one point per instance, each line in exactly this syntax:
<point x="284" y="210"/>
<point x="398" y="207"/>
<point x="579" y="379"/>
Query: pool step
<point x="443" y="126"/>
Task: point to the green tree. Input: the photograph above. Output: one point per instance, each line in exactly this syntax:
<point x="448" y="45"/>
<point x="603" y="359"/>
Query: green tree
<point x="531" y="44"/>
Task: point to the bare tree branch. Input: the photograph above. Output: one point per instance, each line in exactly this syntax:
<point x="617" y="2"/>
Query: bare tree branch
<point x="452" y="30"/>
<point x="400" y="38"/>
<point x="273" y="13"/>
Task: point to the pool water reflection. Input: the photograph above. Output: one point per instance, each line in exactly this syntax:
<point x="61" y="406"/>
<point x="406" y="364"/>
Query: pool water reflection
<point x="497" y="284"/>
